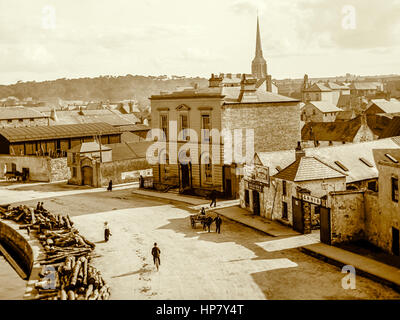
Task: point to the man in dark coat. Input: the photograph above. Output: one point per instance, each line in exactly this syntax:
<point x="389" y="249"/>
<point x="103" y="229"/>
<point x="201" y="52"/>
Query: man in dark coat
<point x="218" y="222"/>
<point x="109" y="186"/>
<point x="155" y="252"/>
<point x="213" y="197"/>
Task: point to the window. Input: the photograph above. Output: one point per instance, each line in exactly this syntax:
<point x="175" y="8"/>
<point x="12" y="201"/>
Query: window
<point x="246" y="197"/>
<point x="372" y="186"/>
<point x="341" y="166"/>
<point x="395" y="189"/>
<point x="284" y="210"/>
<point x="366" y="162"/>
<point x="184" y="126"/>
<point x="205" y="126"/>
<point x="208" y="172"/>
<point x="391" y="158"/>
<point x="284" y="188"/>
<point x="164" y="124"/>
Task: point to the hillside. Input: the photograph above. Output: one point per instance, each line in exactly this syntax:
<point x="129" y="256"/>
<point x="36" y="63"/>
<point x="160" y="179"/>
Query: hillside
<point x="104" y="88"/>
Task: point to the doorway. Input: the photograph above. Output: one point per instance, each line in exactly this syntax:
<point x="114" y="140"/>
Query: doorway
<point x="395" y="241"/>
<point x="87" y="176"/>
<point x="256" y="203"/>
<point x="185" y="175"/>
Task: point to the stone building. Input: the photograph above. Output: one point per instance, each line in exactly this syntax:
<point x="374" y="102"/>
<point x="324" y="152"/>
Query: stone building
<point x="95" y="165"/>
<point x="379" y="106"/>
<point x="368" y="215"/>
<point x="313" y="172"/>
<point x="14" y="117"/>
<point x="319" y="111"/>
<point x="275" y="120"/>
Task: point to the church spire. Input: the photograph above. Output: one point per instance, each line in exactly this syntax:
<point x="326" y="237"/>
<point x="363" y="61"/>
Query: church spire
<point x="259" y="65"/>
<point x="258" y="41"/>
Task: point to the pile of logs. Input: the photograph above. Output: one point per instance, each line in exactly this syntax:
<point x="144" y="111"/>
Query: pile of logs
<point x="66" y="272"/>
<point x="75" y="279"/>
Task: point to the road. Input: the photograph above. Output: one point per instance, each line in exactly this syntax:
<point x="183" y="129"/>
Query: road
<point x="235" y="264"/>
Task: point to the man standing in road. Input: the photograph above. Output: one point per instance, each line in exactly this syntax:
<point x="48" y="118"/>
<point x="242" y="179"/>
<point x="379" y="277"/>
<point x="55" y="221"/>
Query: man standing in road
<point x="218" y="222"/>
<point x="155" y="252"/>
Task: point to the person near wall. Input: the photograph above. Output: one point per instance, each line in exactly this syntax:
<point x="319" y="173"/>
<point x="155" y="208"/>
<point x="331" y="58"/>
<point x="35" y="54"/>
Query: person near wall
<point x="109" y="186"/>
<point x="213" y="197"/>
<point x="107" y="231"/>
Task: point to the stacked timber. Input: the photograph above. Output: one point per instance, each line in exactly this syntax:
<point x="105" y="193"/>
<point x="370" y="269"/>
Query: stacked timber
<point x="66" y="272"/>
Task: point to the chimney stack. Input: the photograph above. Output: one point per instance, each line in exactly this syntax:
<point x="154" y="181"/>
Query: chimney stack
<point x="214" y="81"/>
<point x="299" y="151"/>
<point x="248" y="89"/>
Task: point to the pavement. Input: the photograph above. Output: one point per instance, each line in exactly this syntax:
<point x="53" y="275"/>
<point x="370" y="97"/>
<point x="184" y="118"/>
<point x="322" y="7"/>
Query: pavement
<point x="368" y="267"/>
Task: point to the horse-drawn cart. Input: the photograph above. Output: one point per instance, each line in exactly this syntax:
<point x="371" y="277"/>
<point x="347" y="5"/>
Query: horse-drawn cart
<point x="204" y="219"/>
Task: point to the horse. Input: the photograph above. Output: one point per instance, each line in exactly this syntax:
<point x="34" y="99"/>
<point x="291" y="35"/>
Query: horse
<point x="207" y="222"/>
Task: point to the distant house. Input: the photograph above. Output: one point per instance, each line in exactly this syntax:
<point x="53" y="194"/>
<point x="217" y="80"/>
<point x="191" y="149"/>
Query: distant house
<point x="366" y="89"/>
<point x="383" y="106"/>
<point x="319" y="111"/>
<point x="13" y="117"/>
<point x="334" y="133"/>
<point x="317" y="92"/>
<point x="345" y="115"/>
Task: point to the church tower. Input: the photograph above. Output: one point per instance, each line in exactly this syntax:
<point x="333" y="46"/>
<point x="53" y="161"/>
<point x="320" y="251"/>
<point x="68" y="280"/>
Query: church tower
<point x="259" y="65"/>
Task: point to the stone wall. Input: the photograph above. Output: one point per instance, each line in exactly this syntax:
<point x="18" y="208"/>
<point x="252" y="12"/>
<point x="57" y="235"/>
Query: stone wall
<point x="347" y="216"/>
<point x="276" y="126"/>
<point x="58" y="169"/>
<point x="38" y="166"/>
<point x="16" y="123"/>
<point x="122" y="171"/>
<point x="17" y="243"/>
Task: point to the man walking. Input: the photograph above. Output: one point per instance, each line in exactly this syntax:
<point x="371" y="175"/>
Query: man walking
<point x="213" y="197"/>
<point x="155" y="252"/>
<point x="218" y="222"/>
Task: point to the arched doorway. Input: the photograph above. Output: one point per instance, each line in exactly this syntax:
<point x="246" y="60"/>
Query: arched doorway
<point x="87" y="176"/>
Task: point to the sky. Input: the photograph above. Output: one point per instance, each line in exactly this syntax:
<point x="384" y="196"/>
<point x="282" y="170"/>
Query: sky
<point x="50" y="39"/>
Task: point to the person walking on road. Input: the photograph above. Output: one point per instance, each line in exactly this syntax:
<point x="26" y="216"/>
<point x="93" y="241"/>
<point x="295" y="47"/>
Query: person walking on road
<point x="107" y="232"/>
<point x="155" y="252"/>
<point x="213" y="197"/>
<point x="218" y="222"/>
<point x="109" y="185"/>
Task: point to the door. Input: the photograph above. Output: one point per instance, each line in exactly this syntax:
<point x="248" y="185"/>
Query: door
<point x="185" y="175"/>
<point x="395" y="241"/>
<point x="87" y="176"/>
<point x="256" y="203"/>
<point x="297" y="212"/>
<point x="228" y="188"/>
<point x="25" y="174"/>
<point x="325" y="223"/>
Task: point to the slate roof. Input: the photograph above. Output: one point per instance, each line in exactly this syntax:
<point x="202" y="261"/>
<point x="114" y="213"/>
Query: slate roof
<point x="309" y="168"/>
<point x="379" y="155"/>
<point x="317" y="87"/>
<point x="88" y="147"/>
<point x="129" y="150"/>
<point x="348" y="155"/>
<point x="386" y="106"/>
<point x="135" y="127"/>
<point x="230" y="95"/>
<point x="10" y="113"/>
<point x="364" y="86"/>
<point x="392" y="130"/>
<point x="324" y="106"/>
<point x="331" y="131"/>
<point x="344" y="115"/>
<point x="22" y="134"/>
